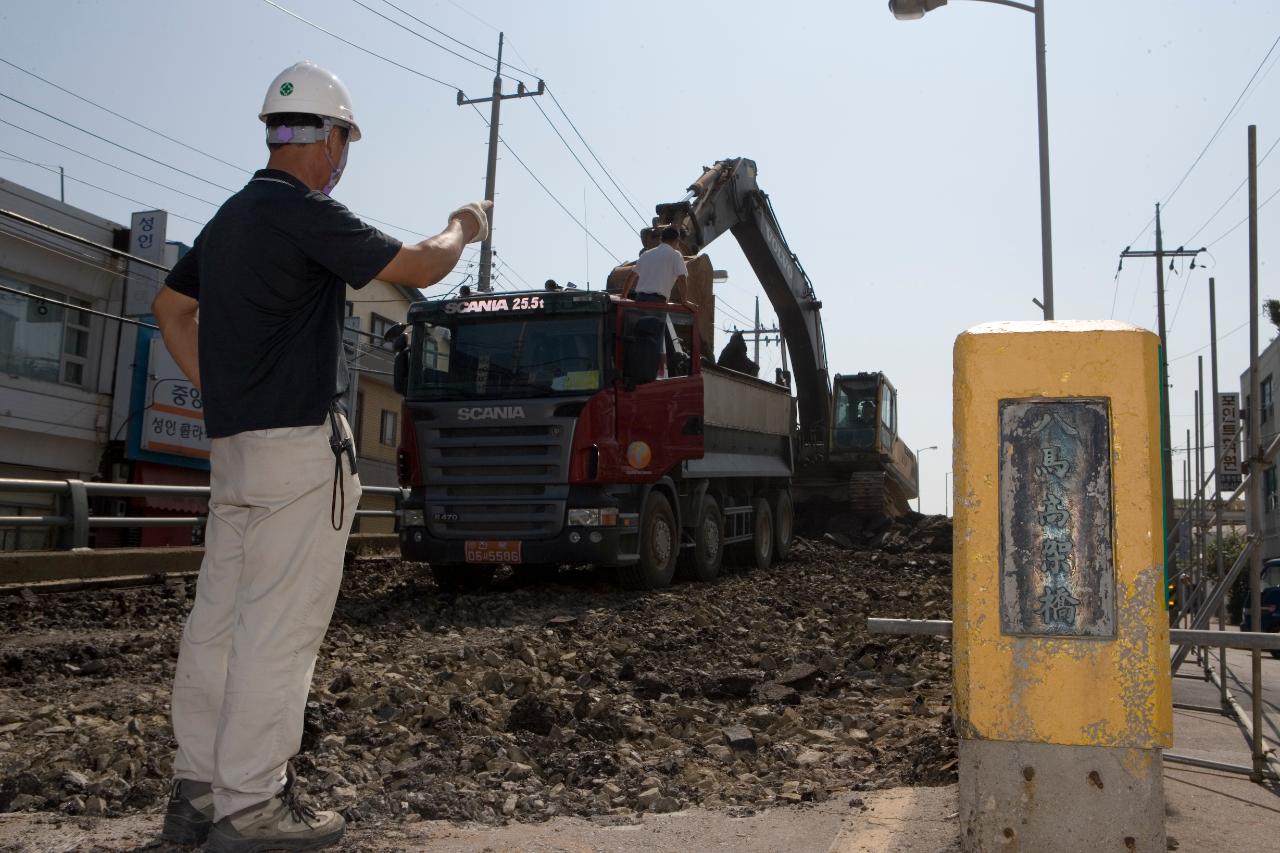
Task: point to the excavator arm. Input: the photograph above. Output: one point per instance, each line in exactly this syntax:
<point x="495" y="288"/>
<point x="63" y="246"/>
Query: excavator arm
<point x="727" y="198"/>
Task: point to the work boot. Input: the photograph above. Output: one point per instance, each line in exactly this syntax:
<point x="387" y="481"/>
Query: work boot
<point x="283" y="822"/>
<point x="189" y="816"/>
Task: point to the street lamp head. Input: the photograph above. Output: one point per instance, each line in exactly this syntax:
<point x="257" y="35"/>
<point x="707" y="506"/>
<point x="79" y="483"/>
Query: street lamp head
<point x="911" y="10"/>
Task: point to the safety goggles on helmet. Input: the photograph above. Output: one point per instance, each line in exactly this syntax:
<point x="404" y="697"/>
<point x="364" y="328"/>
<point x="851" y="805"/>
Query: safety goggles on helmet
<point x="285" y="134"/>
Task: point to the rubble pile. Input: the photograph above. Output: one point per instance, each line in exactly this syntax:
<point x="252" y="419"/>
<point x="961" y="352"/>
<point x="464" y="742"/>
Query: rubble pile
<point x="525" y="701"/>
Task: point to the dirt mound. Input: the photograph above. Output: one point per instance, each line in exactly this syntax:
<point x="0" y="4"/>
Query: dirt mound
<point x="525" y="701"/>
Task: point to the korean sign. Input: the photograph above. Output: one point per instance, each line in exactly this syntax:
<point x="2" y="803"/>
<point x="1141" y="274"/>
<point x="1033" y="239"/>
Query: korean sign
<point x="1228" y="415"/>
<point x="146" y="240"/>
<point x="174" y="418"/>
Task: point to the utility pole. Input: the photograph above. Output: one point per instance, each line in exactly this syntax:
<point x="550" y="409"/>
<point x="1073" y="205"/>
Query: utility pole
<point x="491" y="174"/>
<point x="1257" y="461"/>
<point x="1166" y="444"/>
<point x="1217" y="486"/>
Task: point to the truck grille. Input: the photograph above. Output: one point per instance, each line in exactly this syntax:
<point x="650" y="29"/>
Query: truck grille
<point x="496" y="482"/>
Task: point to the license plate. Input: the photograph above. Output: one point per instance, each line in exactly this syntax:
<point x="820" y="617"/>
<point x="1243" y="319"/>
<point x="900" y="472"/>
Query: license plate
<point x="493" y="551"/>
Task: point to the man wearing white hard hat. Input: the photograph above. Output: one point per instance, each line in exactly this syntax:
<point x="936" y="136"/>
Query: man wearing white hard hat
<point x="254" y="316"/>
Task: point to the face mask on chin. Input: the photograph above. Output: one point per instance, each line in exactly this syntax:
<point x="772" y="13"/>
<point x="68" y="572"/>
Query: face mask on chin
<point x="336" y="174"/>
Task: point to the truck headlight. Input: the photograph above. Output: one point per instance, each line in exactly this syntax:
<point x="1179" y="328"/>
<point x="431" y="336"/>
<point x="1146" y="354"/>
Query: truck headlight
<point x="593" y="517"/>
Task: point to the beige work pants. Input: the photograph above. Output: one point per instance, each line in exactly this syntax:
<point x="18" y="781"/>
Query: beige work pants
<point x="267" y="587"/>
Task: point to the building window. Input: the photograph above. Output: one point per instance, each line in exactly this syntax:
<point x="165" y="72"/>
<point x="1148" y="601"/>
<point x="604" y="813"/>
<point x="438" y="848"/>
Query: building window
<point x="378" y="325"/>
<point x="40" y="340"/>
<point x="350" y="308"/>
<point x="387" y="435"/>
<point x="1265" y="387"/>
<point x="1269" y="489"/>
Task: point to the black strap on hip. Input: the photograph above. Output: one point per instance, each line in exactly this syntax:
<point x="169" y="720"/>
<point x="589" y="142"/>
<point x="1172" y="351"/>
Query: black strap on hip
<point x="339" y="445"/>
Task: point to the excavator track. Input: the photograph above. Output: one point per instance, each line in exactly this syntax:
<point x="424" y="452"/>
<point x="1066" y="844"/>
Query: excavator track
<point x="876" y="493"/>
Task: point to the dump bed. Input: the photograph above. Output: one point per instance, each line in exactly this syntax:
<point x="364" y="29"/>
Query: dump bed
<point x="747" y="427"/>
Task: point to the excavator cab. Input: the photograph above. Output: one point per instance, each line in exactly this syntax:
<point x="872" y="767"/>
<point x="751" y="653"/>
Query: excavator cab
<point x="865" y="444"/>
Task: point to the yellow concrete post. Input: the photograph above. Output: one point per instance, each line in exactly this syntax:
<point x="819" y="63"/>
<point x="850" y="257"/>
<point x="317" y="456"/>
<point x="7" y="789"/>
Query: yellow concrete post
<point x="1062" y="683"/>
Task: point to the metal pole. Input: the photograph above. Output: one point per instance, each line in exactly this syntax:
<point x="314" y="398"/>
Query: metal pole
<point x="491" y="175"/>
<point x="1166" y="440"/>
<point x="1186" y="588"/>
<point x="1256" y="460"/>
<point x="1042" y="109"/>
<point x="1217" y="488"/>
<point x="1197" y="479"/>
<point x="946" y="493"/>
<point x="62" y="184"/>
<point x="1198" y="526"/>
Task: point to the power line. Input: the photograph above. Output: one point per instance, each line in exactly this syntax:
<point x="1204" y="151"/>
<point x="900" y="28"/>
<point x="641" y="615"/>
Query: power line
<point x="581" y="165"/>
<point x="414" y="32"/>
<point x="552" y="195"/>
<point x="71" y="307"/>
<point x="116" y="144"/>
<point x="349" y="43"/>
<point x="1261" y="205"/>
<point x="1239" y="187"/>
<point x="109" y="165"/>
<point x="147" y="205"/>
<point x="623" y="192"/>
<point x="138" y="124"/>
<point x="1217" y="131"/>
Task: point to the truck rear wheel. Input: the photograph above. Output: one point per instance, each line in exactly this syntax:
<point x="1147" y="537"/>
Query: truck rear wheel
<point x="784" y="523"/>
<point x="461" y="577"/>
<point x="659" y="547"/>
<point x="762" y="533"/>
<point x="708" y="541"/>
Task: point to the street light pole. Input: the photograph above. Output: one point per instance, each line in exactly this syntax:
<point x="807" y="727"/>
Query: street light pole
<point x="910" y="10"/>
<point x="920" y="450"/>
<point x="946" y="494"/>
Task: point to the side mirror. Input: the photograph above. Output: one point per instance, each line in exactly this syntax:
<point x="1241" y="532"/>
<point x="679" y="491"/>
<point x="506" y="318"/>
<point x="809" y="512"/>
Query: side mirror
<point x="642" y="351"/>
<point x="394" y="332"/>
<point x="400" y="369"/>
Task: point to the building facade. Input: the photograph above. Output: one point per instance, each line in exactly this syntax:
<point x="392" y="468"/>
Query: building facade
<point x="372" y="310"/>
<point x="1268" y="376"/>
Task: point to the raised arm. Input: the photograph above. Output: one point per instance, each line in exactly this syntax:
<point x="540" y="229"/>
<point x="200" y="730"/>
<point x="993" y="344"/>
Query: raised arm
<point x="176" y="315"/>
<point x="426" y="263"/>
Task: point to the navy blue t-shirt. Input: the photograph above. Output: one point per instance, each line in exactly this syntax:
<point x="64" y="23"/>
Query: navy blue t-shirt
<point x="270" y="270"/>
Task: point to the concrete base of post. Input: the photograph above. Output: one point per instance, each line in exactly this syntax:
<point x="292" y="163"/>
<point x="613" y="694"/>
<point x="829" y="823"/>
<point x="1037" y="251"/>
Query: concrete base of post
<point x="1051" y="798"/>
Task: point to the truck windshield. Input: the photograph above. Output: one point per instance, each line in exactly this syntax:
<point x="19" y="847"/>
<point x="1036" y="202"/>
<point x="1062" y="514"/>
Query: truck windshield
<point x="463" y="358"/>
<point x="855" y="417"/>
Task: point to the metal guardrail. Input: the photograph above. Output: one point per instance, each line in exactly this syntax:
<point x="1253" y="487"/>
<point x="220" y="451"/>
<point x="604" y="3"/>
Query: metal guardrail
<point x="80" y="520"/>
<point x="1177" y="636"/>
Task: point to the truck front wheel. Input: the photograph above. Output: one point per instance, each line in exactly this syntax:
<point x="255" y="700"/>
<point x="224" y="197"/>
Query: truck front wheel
<point x="784" y="521"/>
<point x="659" y="546"/>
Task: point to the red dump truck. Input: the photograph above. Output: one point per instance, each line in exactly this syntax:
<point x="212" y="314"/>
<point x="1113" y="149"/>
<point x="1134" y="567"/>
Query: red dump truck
<point x="569" y="427"/>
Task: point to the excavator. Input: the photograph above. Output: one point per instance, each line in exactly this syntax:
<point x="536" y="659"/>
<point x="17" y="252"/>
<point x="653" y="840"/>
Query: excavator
<point x="847" y="447"/>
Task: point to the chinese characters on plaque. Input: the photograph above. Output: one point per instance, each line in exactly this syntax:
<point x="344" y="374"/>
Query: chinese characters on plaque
<point x="1057" y="576"/>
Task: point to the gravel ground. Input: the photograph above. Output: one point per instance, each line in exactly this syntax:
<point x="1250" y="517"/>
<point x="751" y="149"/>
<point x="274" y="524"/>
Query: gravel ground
<point x="532" y="699"/>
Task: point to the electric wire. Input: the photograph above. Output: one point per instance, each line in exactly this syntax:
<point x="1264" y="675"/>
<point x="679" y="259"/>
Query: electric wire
<point x="545" y="189"/>
<point x="349" y="43"/>
<point x="626" y="222"/>
<point x="592" y="152"/>
<point x="125" y="118"/>
<point x="147" y="205"/>
<point x="1221" y="338"/>
<point x="1228" y="232"/>
<point x="1216" y="132"/>
<point x="1234" y="192"/>
<point x="116" y="144"/>
<point x="149" y="180"/>
<point x="69" y="306"/>
<point x="109" y="165"/>
<point x="412" y="31"/>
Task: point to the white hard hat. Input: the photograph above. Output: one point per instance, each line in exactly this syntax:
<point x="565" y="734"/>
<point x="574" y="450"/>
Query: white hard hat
<point x="305" y="87"/>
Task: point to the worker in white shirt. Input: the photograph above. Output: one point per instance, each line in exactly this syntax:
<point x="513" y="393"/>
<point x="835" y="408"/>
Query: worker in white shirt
<point x="659" y="272"/>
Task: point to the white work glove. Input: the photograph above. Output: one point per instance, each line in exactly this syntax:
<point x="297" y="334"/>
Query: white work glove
<point x="475" y="210"/>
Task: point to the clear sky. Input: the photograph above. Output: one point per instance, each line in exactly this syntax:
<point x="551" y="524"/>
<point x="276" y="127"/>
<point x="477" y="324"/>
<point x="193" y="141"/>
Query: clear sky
<point x="900" y="156"/>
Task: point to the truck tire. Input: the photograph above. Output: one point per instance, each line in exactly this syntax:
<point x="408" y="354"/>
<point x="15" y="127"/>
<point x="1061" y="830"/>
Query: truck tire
<point x="762" y="533"/>
<point x="659" y="547"/>
<point x="784" y="525"/>
<point x="708" y="541"/>
<point x="461" y="577"/>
